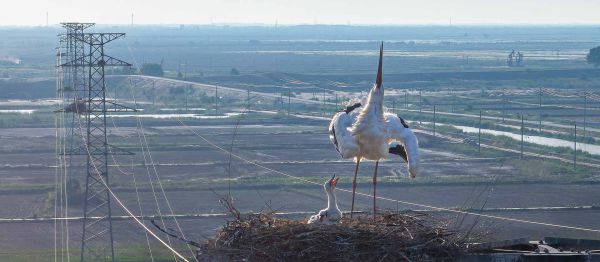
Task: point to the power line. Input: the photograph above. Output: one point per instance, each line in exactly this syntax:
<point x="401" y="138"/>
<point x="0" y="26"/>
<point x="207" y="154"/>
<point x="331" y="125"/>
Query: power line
<point x="384" y="198"/>
<point x="103" y="182"/>
<point x="145" y="142"/>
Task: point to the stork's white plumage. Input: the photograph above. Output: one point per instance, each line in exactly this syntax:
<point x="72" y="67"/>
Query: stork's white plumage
<point x="364" y="130"/>
<point x="332" y="213"/>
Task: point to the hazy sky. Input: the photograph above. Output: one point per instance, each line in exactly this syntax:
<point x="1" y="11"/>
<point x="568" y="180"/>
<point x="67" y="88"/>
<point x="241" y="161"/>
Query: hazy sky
<point x="33" y="12"/>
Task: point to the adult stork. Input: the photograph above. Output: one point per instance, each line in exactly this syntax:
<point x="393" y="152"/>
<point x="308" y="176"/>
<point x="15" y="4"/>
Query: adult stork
<point x="365" y="130"/>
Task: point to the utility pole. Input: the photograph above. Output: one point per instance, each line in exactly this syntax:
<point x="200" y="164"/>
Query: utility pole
<point x="420" y="107"/>
<point x="185" y="71"/>
<point x="522" y="134"/>
<point x="575" y="147"/>
<point x="453" y="100"/>
<point x="479" y="140"/>
<point x="584" y="115"/>
<point x="247" y="98"/>
<point x="503" y="104"/>
<point x="216" y="99"/>
<point x="86" y="55"/>
<point x="187" y="91"/>
<point x="280" y="101"/>
<point x="540" y="113"/>
<point x="153" y="92"/>
<point x="433" y="120"/>
<point x="323" y="110"/>
<point x="289" y="103"/>
<point x="336" y="101"/>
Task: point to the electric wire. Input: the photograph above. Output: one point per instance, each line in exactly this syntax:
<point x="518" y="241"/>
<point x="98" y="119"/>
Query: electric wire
<point x="135" y="185"/>
<point x="114" y="196"/>
<point x="137" y="195"/>
<point x="56" y="185"/>
<point x="141" y="129"/>
<point x="148" y="173"/>
<point x="385" y="198"/>
<point x="166" y="199"/>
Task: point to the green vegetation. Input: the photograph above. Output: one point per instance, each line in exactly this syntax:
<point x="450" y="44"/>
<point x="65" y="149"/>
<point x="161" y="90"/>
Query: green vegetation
<point x="129" y="253"/>
<point x="593" y="57"/>
<point x="152" y="69"/>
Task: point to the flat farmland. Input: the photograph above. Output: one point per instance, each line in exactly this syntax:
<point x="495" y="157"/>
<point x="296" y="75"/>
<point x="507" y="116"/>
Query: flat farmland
<point x="192" y="172"/>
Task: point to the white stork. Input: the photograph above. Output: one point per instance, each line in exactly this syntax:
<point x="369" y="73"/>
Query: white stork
<point x="364" y="130"/>
<point x="332" y="213"/>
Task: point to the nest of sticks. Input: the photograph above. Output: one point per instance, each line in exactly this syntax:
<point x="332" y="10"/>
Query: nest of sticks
<point x="393" y="236"/>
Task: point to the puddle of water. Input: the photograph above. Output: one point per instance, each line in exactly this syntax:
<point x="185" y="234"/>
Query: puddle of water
<point x="20" y="102"/>
<point x="183" y="109"/>
<point x="539" y="140"/>
<point x="18" y="111"/>
<point x="167" y="116"/>
<point x="473" y="54"/>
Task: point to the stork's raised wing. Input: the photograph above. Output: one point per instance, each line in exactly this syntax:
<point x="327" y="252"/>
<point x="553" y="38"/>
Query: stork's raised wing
<point x="340" y="136"/>
<point x="398" y="131"/>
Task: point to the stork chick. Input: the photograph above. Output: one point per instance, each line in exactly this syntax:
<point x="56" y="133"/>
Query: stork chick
<point x="331" y="214"/>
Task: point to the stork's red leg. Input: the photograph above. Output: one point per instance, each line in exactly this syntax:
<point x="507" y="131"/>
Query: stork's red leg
<point x="375" y="190"/>
<point x="354" y="186"/>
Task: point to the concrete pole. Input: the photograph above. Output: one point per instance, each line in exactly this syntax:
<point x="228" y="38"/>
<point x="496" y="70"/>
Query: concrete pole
<point x="185" y="90"/>
<point x="584" y="115"/>
<point x="323" y="110"/>
<point x="575" y="148"/>
<point x="479" y="139"/>
<point x="540" y="116"/>
<point x="216" y="99"/>
<point x="153" y="92"/>
<point x="420" y="106"/>
<point x="503" y="105"/>
<point x="433" y="120"/>
<point x="453" y="100"/>
<point x="522" y="134"/>
<point x="336" y="101"/>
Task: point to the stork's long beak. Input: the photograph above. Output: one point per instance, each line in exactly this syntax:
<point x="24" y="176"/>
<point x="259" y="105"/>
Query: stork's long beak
<point x="379" y="70"/>
<point x="333" y="180"/>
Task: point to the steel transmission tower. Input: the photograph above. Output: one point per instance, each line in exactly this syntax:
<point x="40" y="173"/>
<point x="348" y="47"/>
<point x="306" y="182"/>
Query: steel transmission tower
<point x="83" y="76"/>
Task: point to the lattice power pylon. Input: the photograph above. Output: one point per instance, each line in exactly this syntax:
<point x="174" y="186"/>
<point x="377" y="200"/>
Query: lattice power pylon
<point x="85" y="78"/>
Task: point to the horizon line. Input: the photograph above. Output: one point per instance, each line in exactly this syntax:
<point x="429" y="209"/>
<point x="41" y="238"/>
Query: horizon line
<point x="274" y="25"/>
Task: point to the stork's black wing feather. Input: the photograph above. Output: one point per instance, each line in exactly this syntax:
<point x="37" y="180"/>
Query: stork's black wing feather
<point x="335" y="142"/>
<point x="399" y="150"/>
<point x="351" y="108"/>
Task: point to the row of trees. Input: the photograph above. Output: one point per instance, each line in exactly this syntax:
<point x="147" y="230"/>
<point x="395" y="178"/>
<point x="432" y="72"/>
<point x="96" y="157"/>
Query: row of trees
<point x="593" y="57"/>
<point x="156" y="69"/>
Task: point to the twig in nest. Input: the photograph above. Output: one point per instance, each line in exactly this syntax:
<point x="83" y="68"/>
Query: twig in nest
<point x="228" y="204"/>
